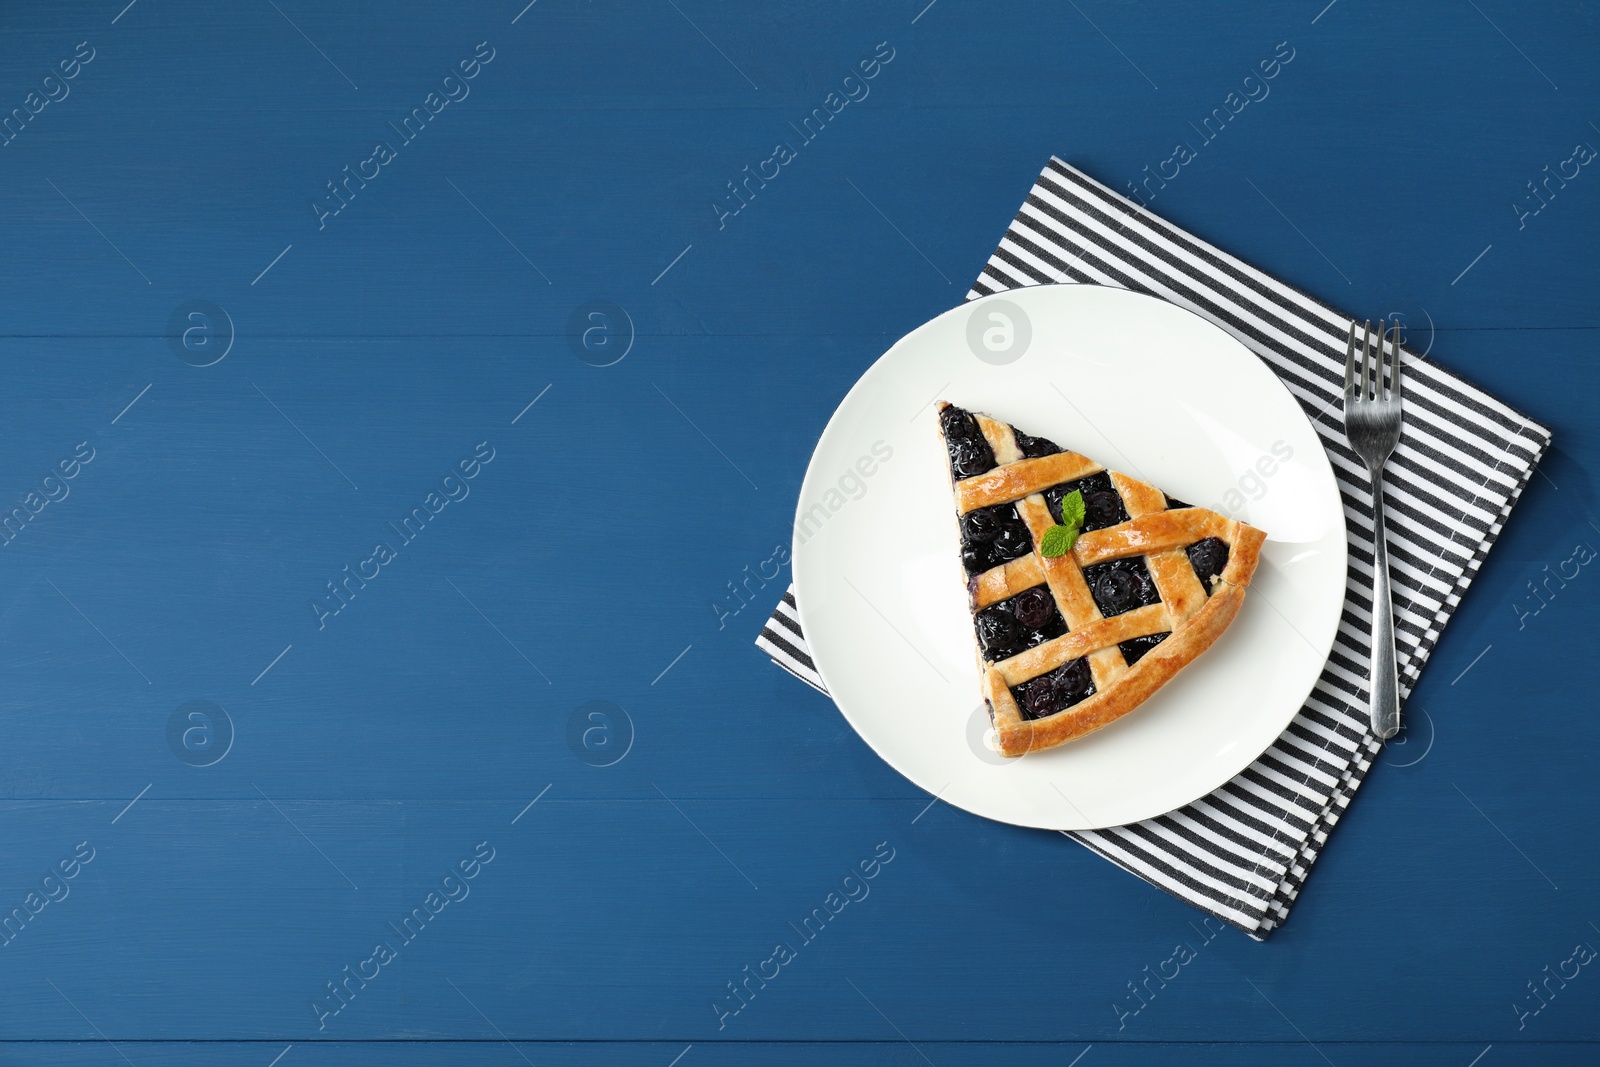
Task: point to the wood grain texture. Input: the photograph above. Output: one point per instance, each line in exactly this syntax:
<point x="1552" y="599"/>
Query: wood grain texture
<point x="612" y="549"/>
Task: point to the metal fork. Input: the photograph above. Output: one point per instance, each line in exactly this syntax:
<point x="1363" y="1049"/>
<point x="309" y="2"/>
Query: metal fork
<point x="1372" y="418"/>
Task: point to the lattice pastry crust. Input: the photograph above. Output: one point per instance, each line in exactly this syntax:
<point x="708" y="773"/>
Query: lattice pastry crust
<point x="1135" y="572"/>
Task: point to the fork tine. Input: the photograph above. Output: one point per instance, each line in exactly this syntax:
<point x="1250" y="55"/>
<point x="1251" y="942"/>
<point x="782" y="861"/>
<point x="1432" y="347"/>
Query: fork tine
<point x="1350" y="365"/>
<point x="1394" y="373"/>
<point x="1377" y="362"/>
<point x="1388" y="362"/>
<point x="1366" y="358"/>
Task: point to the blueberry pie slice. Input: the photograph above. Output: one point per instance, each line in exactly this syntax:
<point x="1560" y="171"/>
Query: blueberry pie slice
<point x="1069" y="642"/>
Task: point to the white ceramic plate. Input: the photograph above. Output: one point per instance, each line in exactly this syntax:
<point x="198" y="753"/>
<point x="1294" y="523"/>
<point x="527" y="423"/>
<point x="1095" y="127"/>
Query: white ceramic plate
<point x="1144" y="387"/>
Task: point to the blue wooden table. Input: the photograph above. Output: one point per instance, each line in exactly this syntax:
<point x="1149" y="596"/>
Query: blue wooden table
<point x="392" y="393"/>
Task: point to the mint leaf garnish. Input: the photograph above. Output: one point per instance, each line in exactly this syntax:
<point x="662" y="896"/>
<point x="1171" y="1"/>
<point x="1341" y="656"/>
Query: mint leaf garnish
<point x="1058" y="541"/>
<point x="1072" y="510"/>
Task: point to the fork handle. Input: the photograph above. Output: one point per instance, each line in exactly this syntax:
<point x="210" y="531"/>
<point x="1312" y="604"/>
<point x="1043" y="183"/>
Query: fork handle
<point x="1385" y="683"/>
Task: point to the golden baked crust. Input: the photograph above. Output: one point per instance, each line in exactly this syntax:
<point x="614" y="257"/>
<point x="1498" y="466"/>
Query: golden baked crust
<point x="1192" y="616"/>
<point x="1014" y="480"/>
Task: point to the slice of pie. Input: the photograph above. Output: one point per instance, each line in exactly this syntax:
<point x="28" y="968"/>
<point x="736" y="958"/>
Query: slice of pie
<point x="1071" y="643"/>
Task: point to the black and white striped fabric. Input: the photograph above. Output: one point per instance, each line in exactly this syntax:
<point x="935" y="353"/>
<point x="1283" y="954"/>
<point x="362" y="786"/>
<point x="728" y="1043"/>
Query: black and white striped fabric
<point x="1243" y="852"/>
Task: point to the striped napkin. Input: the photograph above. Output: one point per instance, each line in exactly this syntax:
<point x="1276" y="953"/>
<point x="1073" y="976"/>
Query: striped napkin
<point x="1243" y="852"/>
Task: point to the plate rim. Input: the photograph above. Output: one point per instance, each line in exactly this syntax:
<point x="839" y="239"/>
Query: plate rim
<point x="812" y="467"/>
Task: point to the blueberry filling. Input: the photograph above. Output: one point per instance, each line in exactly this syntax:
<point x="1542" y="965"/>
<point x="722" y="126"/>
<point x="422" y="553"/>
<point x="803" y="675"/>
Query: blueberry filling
<point x="957" y="423"/>
<point x="1017" y="624"/>
<point x="1102" y="506"/>
<point x="1035" y="608"/>
<point x="1047" y="694"/>
<point x="998" y="632"/>
<point x="1012" y="541"/>
<point x="1173" y="504"/>
<point x="992" y="536"/>
<point x="1121" y="585"/>
<point x="971" y="458"/>
<point x="1034" y="447"/>
<point x="1133" y="649"/>
<point x="970" y="454"/>
<point x="980" y="525"/>
<point x="1208" y="558"/>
